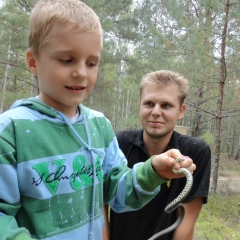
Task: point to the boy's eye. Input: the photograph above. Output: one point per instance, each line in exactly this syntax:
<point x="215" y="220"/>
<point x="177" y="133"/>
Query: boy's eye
<point x="92" y="64"/>
<point x="65" y="60"/>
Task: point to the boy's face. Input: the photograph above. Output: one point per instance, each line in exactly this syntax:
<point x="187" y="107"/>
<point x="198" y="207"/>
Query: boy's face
<point x="66" y="69"/>
<point x="160" y="110"/>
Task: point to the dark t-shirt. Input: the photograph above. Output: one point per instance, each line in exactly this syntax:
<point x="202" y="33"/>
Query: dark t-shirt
<point x="144" y="223"/>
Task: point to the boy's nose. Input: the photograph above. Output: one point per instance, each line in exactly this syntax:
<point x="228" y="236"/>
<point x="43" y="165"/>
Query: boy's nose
<point x="80" y="71"/>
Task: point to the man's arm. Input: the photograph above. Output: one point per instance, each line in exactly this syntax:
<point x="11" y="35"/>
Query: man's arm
<point x="186" y="229"/>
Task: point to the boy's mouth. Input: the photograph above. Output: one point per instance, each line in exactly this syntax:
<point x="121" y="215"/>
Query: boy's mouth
<point x="76" y="88"/>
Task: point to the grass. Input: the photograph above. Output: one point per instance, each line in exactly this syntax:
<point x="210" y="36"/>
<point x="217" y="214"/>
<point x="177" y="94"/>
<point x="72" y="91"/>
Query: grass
<point x="220" y="217"/>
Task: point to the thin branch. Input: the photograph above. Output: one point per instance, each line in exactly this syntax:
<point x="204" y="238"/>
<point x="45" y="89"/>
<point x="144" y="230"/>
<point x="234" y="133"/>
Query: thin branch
<point x="13" y="65"/>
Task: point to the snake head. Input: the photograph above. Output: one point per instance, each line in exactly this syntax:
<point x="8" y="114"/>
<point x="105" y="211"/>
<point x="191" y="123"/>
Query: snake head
<point x="179" y="159"/>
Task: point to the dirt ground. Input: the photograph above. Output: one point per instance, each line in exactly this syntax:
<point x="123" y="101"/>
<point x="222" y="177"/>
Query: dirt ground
<point x="229" y="176"/>
<point x="228" y="184"/>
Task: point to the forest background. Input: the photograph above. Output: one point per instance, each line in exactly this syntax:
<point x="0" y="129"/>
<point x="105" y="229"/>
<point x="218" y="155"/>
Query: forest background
<point x="198" y="39"/>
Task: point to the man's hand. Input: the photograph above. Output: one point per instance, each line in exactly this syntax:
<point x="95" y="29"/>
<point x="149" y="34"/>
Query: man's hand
<point x="163" y="164"/>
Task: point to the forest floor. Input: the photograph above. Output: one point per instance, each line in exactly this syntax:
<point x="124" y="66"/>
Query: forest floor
<point x="229" y="176"/>
<point x="220" y="217"/>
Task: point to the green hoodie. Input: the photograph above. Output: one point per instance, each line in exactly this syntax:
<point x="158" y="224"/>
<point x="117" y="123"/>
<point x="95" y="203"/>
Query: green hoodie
<point x="55" y="175"/>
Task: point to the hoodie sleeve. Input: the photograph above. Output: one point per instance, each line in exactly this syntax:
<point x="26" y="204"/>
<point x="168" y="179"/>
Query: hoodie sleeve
<point x="128" y="189"/>
<point x="9" y="197"/>
<point x="10" y="230"/>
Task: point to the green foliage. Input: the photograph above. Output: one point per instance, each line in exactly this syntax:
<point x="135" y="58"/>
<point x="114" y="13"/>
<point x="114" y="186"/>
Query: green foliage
<point x="12" y="97"/>
<point x="209" y="138"/>
<point x="14" y="77"/>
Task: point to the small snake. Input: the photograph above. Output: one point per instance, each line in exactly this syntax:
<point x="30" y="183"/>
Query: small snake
<point x="176" y="203"/>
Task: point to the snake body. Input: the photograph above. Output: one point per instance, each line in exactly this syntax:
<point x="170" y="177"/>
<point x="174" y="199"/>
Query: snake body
<point x="176" y="203"/>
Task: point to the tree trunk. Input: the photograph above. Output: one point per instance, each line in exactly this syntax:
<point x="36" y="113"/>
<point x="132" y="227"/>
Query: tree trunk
<point x="228" y="137"/>
<point x="233" y="139"/>
<point x="6" y="76"/>
<point x="117" y="107"/>
<point x="238" y="150"/>
<point x="197" y="118"/>
<point x="223" y="74"/>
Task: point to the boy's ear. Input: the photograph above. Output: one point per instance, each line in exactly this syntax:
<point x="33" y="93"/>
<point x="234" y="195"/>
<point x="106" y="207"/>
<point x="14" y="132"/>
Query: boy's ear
<point x="31" y="62"/>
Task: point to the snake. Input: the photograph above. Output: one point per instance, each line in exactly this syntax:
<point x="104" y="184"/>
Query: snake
<point x="177" y="202"/>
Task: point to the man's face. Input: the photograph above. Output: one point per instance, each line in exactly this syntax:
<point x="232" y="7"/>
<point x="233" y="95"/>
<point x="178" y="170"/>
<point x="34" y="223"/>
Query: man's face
<point x="66" y="68"/>
<point x="160" y="110"/>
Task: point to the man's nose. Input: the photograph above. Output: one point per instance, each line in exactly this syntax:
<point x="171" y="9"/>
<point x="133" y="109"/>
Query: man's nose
<point x="156" y="110"/>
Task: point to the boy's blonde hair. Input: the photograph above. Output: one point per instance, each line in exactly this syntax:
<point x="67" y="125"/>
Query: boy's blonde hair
<point x="166" y="77"/>
<point x="52" y="16"/>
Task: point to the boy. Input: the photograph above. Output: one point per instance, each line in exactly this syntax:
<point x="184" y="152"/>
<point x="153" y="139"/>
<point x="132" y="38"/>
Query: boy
<point x="59" y="161"/>
<point x="162" y="95"/>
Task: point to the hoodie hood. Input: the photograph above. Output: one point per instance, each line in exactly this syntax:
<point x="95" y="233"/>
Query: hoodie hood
<point x="35" y="104"/>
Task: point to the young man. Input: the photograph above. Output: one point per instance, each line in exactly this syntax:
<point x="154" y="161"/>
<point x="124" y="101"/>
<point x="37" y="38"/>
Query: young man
<point x="60" y="161"/>
<point x="162" y="95"/>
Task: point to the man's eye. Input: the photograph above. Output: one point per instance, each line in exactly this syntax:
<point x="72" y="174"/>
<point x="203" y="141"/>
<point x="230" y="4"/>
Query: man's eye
<point x="150" y="104"/>
<point x="166" y="105"/>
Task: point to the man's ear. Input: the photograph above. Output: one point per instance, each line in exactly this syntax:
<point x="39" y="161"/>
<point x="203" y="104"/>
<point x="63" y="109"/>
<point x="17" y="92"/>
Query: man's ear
<point x="182" y="111"/>
<point x="31" y="62"/>
<point x="139" y="102"/>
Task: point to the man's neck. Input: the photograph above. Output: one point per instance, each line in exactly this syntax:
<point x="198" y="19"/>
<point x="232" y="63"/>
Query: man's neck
<point x="156" y="146"/>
